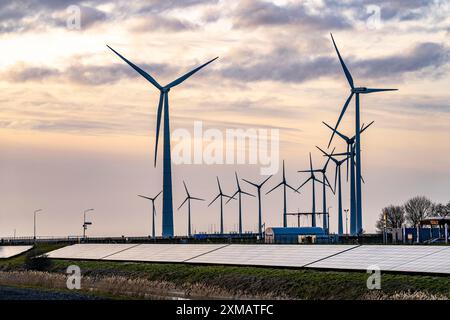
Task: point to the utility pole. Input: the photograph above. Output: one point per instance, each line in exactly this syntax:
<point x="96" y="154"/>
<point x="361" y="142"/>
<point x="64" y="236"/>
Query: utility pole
<point x="34" y="233"/>
<point x="85" y="223"/>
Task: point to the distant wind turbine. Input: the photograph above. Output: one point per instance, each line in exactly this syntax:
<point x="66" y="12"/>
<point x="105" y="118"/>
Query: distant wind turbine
<point x="167" y="217"/>
<point x="354" y="91"/>
<point x="355" y="221"/>
<point x="239" y="192"/>
<point x="188" y="200"/>
<point x="153" y="211"/>
<point x="337" y="179"/>
<point x="221" y="195"/>
<point x="258" y="187"/>
<point x="313" y="179"/>
<point x="284" y="184"/>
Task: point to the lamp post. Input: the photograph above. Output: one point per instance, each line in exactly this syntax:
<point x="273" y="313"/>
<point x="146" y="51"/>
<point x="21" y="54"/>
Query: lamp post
<point x="85" y="223"/>
<point x="35" y="212"/>
<point x="346" y="221"/>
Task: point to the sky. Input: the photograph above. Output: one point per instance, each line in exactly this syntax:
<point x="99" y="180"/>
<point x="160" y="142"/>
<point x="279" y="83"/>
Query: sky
<point x="77" y="125"/>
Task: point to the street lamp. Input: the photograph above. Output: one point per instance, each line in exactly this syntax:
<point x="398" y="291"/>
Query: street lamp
<point x="35" y="212"/>
<point x="346" y="220"/>
<point x="85" y="223"/>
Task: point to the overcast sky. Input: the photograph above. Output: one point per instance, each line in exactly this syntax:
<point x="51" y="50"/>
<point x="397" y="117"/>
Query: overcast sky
<point x="78" y="125"/>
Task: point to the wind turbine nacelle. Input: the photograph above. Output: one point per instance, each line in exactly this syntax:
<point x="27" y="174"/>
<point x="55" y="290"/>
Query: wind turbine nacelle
<point x="359" y="90"/>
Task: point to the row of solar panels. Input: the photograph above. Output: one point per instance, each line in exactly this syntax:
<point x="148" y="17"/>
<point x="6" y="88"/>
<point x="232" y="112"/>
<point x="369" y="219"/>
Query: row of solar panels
<point x="12" y="251"/>
<point x="421" y="259"/>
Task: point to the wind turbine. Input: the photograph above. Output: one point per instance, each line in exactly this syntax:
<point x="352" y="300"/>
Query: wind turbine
<point x="337" y="179"/>
<point x="258" y="187"/>
<point x="153" y="211"/>
<point x="188" y="200"/>
<point x="167" y="216"/>
<point x="239" y="192"/>
<point x="221" y="195"/>
<point x="355" y="221"/>
<point x="313" y="178"/>
<point x="355" y="91"/>
<point x="284" y="184"/>
<point x="324" y="193"/>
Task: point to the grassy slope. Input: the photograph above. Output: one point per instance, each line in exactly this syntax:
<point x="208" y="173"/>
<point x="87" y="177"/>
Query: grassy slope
<point x="294" y="283"/>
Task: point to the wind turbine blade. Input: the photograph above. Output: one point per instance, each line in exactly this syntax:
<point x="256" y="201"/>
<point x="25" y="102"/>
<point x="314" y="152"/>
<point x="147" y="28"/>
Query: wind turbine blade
<point x="267" y="179"/>
<point x="158" y="194"/>
<point x="371" y="90"/>
<point x="214" y="200"/>
<point x="344" y="137"/>
<point x="325" y="154"/>
<point x="310" y="162"/>
<point x="329" y="184"/>
<point x="362" y="179"/>
<point x="183" y="203"/>
<point x="185" y="188"/>
<point x="139" y="70"/>
<point x="340" y="117"/>
<point x="187" y="75"/>
<point x="253" y="184"/>
<point x="319" y="181"/>
<point x="237" y="180"/>
<point x="292" y="188"/>
<point x="274" y="188"/>
<point x="232" y="197"/>
<point x="218" y="183"/>
<point x="344" y="67"/>
<point x="194" y="198"/>
<point x="328" y="160"/>
<point x="158" y="123"/>
<point x="306" y="181"/>
<point x="365" y="127"/>
<point x="148" y="198"/>
<point x="248" y="194"/>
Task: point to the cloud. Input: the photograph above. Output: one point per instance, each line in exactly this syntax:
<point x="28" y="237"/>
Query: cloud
<point x="32" y="15"/>
<point x="161" y="23"/>
<point x="83" y="74"/>
<point x="288" y="65"/>
<point x="251" y="14"/>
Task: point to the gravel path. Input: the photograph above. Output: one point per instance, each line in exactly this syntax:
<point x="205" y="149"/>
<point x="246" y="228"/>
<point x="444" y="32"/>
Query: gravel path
<point x="11" y="293"/>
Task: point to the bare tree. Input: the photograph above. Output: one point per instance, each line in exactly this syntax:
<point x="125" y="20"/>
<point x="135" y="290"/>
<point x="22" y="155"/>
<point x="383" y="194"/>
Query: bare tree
<point x="395" y="217"/>
<point x="441" y="210"/>
<point x="417" y="209"/>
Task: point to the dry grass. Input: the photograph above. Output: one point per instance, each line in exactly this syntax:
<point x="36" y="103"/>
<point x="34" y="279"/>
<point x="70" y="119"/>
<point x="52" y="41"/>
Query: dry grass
<point x="126" y="287"/>
<point x="403" y="295"/>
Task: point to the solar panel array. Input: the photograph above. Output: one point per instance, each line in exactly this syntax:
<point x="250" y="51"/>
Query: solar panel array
<point x="270" y="255"/>
<point x="387" y="258"/>
<point x="88" y="251"/>
<point x="426" y="259"/>
<point x="438" y="262"/>
<point x="164" y="252"/>
<point x="11" y="251"/>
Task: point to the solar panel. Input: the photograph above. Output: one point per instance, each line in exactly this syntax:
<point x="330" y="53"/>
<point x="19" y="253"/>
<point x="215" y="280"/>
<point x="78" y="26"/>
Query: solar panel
<point x="438" y="262"/>
<point x="164" y="252"/>
<point x="12" y="251"/>
<point x="88" y="251"/>
<point x="270" y="255"/>
<point x="385" y="257"/>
